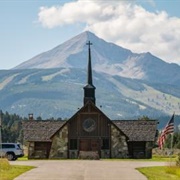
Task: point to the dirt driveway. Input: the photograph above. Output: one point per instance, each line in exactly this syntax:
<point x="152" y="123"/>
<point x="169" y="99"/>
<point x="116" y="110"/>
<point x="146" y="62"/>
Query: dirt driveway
<point x="84" y="169"/>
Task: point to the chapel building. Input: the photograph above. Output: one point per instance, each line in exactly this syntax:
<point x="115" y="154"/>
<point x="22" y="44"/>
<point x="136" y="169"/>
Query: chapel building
<point x="89" y="133"/>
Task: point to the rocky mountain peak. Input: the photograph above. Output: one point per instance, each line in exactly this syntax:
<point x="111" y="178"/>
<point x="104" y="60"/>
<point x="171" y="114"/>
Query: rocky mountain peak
<point x="107" y="57"/>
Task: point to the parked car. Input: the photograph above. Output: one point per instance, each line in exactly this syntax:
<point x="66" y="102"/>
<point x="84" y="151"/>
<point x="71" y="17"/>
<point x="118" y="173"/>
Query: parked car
<point x="11" y="151"/>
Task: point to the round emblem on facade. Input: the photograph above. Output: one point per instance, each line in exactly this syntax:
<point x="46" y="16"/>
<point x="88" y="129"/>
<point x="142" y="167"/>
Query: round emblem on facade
<point x="89" y="125"/>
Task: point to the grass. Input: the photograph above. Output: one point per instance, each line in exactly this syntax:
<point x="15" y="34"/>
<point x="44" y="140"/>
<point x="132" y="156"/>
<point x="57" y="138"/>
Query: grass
<point x="9" y="172"/>
<point x="24" y="158"/>
<point x="161" y="172"/>
<point x="170" y="171"/>
<point x="153" y="159"/>
<point x="163" y="158"/>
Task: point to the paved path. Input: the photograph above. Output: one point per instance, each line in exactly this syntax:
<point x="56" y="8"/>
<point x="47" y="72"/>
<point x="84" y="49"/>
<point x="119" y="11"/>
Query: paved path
<point x="84" y="169"/>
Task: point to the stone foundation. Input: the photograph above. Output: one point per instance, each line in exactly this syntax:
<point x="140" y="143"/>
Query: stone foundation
<point x="105" y="154"/>
<point x="88" y="155"/>
<point x="73" y="154"/>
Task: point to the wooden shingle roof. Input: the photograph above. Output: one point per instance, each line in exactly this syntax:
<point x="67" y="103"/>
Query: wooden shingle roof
<point x="135" y="130"/>
<point x="138" y="130"/>
<point x="40" y="130"/>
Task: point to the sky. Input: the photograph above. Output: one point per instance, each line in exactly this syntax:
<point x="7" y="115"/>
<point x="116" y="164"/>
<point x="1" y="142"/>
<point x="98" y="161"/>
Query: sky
<point x="28" y="28"/>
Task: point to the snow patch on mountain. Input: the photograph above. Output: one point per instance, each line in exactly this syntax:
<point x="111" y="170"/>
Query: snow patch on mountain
<point x="127" y="69"/>
<point x="51" y="76"/>
<point x="4" y="83"/>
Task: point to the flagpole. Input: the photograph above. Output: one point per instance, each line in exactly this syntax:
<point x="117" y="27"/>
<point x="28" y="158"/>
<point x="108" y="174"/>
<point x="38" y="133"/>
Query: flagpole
<point x="172" y="141"/>
<point x="172" y="138"/>
<point x="169" y="129"/>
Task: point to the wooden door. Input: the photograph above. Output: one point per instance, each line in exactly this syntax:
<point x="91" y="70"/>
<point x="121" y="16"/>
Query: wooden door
<point x="84" y="145"/>
<point x="94" y="145"/>
<point x="89" y="145"/>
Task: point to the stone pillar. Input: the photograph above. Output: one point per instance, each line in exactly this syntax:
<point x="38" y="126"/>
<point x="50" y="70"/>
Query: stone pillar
<point x="59" y="148"/>
<point x="31" y="151"/>
<point x="119" y="147"/>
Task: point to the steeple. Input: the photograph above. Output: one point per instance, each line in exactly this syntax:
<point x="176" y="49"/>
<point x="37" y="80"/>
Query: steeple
<point x="89" y="89"/>
<point x="89" y="75"/>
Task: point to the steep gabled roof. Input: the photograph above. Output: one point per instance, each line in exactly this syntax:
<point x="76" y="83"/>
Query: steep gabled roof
<point x="138" y="130"/>
<point x="40" y="130"/>
<point x="83" y="109"/>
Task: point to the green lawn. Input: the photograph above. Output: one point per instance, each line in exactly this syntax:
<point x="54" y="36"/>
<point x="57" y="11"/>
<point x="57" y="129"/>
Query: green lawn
<point x="8" y="172"/>
<point x="25" y="158"/>
<point x="161" y="173"/>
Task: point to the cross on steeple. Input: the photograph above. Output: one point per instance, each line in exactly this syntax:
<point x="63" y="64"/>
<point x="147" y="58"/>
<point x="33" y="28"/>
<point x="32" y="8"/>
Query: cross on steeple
<point x="89" y="44"/>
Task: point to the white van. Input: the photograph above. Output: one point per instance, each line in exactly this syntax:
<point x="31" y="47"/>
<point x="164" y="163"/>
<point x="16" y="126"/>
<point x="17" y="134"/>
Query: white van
<point x="11" y="150"/>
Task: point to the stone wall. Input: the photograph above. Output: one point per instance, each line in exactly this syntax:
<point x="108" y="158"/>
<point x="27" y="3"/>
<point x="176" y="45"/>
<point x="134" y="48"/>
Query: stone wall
<point x="119" y="147"/>
<point x="59" y="146"/>
<point x="31" y="150"/>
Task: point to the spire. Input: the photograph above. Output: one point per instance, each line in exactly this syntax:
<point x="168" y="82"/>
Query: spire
<point x="89" y="89"/>
<point x="89" y="75"/>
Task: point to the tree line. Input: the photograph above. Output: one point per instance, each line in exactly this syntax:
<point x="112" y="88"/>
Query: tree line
<point x="173" y="140"/>
<point x="11" y="127"/>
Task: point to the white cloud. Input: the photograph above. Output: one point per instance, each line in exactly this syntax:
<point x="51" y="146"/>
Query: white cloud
<point x="126" y="24"/>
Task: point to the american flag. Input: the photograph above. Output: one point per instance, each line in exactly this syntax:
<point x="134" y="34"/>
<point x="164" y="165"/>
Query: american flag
<point x="169" y="128"/>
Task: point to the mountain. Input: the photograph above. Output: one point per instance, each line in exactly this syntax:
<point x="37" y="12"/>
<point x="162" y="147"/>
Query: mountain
<point x="128" y="85"/>
<point x="107" y="58"/>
